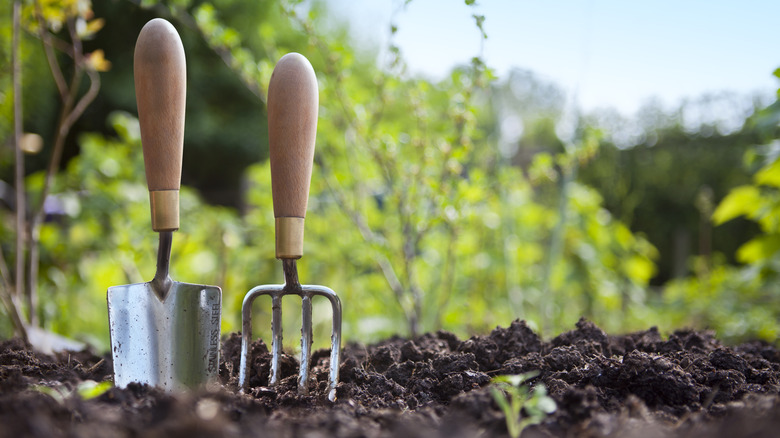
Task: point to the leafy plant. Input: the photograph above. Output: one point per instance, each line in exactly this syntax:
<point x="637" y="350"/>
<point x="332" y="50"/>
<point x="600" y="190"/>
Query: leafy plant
<point x="62" y="27"/>
<point x="521" y="406"/>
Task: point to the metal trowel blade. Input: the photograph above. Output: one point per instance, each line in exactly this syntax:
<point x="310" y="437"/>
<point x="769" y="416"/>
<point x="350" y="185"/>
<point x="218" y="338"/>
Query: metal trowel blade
<point x="172" y="343"/>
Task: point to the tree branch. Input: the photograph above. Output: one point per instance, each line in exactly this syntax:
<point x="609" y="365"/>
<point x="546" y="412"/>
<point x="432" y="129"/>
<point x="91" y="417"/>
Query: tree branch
<point x="21" y="204"/>
<point x="86" y="99"/>
<point x="51" y="57"/>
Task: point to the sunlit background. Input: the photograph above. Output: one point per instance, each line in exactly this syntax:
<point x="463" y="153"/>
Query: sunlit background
<point x="477" y="162"/>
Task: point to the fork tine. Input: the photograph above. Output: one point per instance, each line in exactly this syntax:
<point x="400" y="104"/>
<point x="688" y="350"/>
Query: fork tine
<point x="335" y="337"/>
<point x="246" y="339"/>
<point x="246" y="328"/>
<point x="306" y="335"/>
<point x="276" y="342"/>
<point x="335" y="346"/>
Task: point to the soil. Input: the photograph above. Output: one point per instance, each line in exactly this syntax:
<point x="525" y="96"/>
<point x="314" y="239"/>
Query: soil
<point x="639" y="384"/>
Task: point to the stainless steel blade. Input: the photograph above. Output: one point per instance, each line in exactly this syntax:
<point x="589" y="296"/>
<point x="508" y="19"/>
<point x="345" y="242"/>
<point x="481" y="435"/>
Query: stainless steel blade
<point x="171" y="343"/>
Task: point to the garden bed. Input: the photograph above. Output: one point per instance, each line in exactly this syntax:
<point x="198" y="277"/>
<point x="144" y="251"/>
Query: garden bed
<point x="436" y="385"/>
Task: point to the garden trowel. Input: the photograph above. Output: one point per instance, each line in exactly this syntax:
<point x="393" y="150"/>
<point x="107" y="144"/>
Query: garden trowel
<point x="163" y="333"/>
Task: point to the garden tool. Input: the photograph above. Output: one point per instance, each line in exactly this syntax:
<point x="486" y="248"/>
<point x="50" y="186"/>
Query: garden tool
<point x="163" y="333"/>
<point x="292" y="126"/>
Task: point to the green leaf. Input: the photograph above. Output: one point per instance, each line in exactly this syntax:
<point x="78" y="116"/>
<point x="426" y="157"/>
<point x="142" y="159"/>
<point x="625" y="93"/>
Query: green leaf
<point x="769" y="175"/>
<point x="639" y="269"/>
<point x="741" y="201"/>
<point x="51" y="392"/>
<point x="515" y="379"/>
<point x="500" y="397"/>
<point x="758" y="249"/>
<point x="547" y="405"/>
<point x="90" y="389"/>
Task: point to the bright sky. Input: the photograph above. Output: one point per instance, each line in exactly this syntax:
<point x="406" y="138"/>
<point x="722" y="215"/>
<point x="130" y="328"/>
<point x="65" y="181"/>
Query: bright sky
<point x="610" y="53"/>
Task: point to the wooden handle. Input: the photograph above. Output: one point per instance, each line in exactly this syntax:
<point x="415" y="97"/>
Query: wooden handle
<point x="160" y="90"/>
<point x="293" y="102"/>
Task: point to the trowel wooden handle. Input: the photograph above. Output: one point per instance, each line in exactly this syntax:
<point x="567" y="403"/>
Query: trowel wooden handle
<point x="160" y="91"/>
<point x="292" y="127"/>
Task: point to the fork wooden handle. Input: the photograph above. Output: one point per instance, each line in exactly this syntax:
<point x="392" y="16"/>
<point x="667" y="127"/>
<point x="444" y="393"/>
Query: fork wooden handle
<point x="293" y="102"/>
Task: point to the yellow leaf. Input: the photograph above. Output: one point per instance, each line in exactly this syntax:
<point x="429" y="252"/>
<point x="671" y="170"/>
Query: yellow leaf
<point x="87" y="29"/>
<point x="97" y="61"/>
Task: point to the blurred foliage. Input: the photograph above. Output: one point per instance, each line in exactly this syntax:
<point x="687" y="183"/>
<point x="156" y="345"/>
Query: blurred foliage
<point x="457" y="204"/>
<point x="665" y="183"/>
<point x="740" y="302"/>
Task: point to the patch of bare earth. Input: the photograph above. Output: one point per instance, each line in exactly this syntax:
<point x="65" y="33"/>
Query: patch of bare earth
<point x="435" y="385"/>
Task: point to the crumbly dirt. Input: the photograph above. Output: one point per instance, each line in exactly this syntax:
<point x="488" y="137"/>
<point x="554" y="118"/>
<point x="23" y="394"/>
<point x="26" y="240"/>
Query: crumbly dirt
<point x="635" y="385"/>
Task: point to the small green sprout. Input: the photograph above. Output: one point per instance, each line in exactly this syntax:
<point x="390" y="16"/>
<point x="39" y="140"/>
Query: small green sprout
<point x="515" y="399"/>
<point x="90" y="389"/>
<point x="87" y="389"/>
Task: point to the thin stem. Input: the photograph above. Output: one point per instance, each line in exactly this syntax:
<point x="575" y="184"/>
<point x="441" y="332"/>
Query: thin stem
<point x="410" y="254"/>
<point x="446" y="283"/>
<point x="86" y="99"/>
<point x="51" y="58"/>
<point x="21" y="204"/>
<point x="9" y="296"/>
<point x="10" y="302"/>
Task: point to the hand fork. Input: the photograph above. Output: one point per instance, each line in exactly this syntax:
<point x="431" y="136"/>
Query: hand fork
<point x="292" y="125"/>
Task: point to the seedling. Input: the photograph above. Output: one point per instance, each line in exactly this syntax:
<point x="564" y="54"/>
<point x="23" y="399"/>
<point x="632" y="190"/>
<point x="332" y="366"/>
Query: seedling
<point x="87" y="389"/>
<point x="516" y="400"/>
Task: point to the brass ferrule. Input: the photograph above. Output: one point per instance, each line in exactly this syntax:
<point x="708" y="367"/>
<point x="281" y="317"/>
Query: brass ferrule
<point x="165" y="209"/>
<point x="289" y="237"/>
